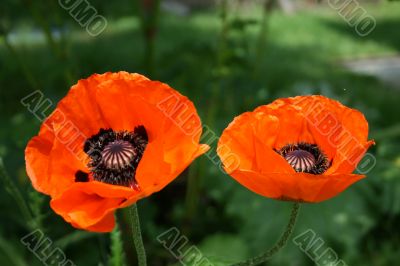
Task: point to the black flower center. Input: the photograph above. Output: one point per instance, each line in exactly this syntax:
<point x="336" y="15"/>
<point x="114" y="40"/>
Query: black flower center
<point x="305" y="157"/>
<point x="115" y="155"/>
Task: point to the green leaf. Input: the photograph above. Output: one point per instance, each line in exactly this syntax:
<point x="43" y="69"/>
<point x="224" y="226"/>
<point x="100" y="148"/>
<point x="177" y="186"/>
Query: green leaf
<point x="117" y="256"/>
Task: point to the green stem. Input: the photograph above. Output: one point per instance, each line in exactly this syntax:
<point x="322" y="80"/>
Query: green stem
<point x="137" y="236"/>
<point x="278" y="245"/>
<point x="12" y="189"/>
<point x="195" y="175"/>
<point x="262" y="35"/>
<point x="150" y="17"/>
<point x="191" y="198"/>
<point x="221" y="57"/>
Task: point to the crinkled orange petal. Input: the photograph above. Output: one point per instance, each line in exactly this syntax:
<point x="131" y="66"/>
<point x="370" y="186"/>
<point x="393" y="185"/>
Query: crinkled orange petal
<point x="346" y="160"/>
<point x="37" y="154"/>
<point x="120" y="101"/>
<point x="90" y="205"/>
<point x="75" y="118"/>
<point x="78" y="110"/>
<point x="340" y="131"/>
<point x="105" y="225"/>
<point x="239" y="143"/>
<point x="254" y="137"/>
<point x="172" y="144"/>
<point x="292" y="124"/>
<point x="63" y="165"/>
<point x="295" y="187"/>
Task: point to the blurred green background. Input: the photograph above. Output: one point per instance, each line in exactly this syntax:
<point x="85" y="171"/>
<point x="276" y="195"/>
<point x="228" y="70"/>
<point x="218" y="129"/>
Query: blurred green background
<point x="227" y="57"/>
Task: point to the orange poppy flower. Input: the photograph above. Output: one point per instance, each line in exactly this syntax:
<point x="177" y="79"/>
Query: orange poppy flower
<point x="114" y="139"/>
<point x="301" y="149"/>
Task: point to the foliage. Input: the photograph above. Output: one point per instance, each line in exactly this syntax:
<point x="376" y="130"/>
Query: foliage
<point x="227" y="63"/>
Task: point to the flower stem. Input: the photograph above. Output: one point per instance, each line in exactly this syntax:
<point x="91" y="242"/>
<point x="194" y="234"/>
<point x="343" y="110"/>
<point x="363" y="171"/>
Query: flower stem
<point x="137" y="236"/>
<point x="278" y="245"/>
<point x="13" y="190"/>
<point x="150" y="18"/>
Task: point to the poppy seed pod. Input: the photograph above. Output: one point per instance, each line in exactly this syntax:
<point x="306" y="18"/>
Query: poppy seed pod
<point x="302" y="149"/>
<point x="114" y="139"/>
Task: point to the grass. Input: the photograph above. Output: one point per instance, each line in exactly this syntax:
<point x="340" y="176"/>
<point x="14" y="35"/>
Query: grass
<point x="302" y="54"/>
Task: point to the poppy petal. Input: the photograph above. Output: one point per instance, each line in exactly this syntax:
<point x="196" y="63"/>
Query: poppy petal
<point x="334" y="126"/>
<point x="292" y="124"/>
<point x="295" y="187"/>
<point x="111" y="101"/>
<point x="89" y="205"/>
<point x="238" y="142"/>
<point x="37" y="159"/>
<point x="171" y="147"/>
<point x="255" y="137"/>
<point x="105" y="225"/>
<point x="347" y="159"/>
<point x="78" y="111"/>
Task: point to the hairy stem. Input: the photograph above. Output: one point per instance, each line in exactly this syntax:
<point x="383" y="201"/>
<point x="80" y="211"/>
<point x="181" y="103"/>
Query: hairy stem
<point x="137" y="236"/>
<point x="278" y="245"/>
